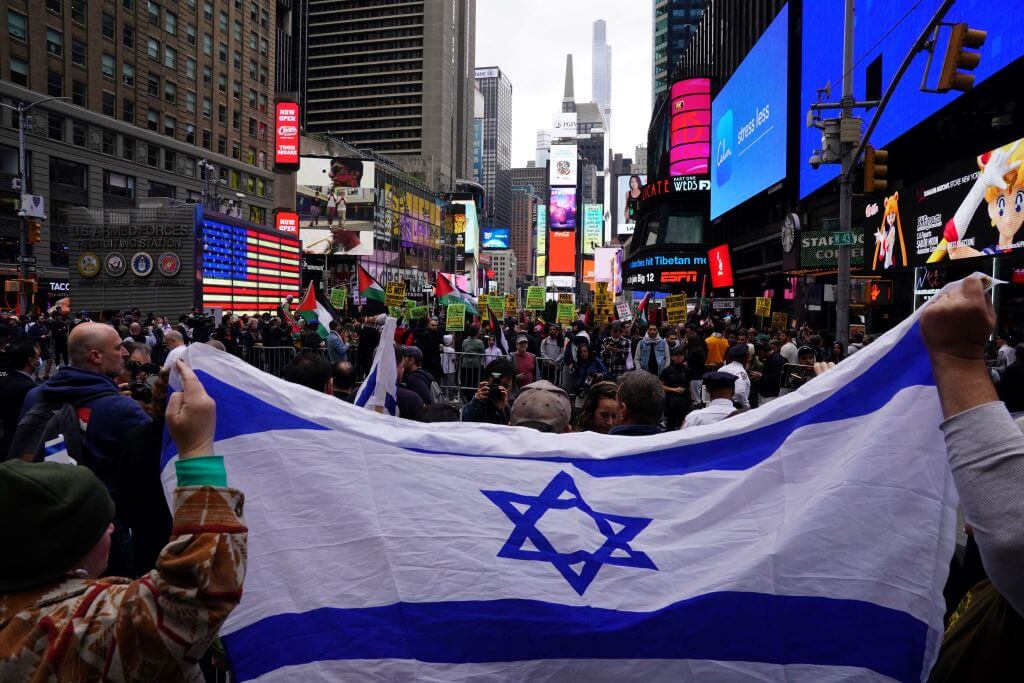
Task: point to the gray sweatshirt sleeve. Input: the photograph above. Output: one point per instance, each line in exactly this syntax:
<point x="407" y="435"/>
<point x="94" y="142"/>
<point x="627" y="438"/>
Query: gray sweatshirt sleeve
<point x="986" y="454"/>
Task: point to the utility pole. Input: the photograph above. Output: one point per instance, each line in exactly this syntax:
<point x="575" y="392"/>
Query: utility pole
<point x="23" y="246"/>
<point x="846" y="183"/>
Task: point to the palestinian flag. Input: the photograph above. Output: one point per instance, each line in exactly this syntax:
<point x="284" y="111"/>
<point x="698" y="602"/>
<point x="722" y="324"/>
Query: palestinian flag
<point x="641" y="309"/>
<point x="369" y="287"/>
<point x="317" y="316"/>
<point x="448" y="292"/>
<point x="496" y="330"/>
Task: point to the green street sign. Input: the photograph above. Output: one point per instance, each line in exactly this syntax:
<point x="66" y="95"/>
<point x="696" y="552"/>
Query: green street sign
<point x="844" y="239"/>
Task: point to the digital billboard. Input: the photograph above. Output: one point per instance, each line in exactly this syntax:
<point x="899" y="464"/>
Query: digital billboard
<point x="335" y="205"/>
<point x="335" y="172"/>
<point x="494" y="238"/>
<point x="562" y="208"/>
<point x="563" y="125"/>
<point x="563" y="165"/>
<point x="629" y="189"/>
<point x="472" y="225"/>
<point x="593" y="228"/>
<point x="286" y="136"/>
<point x="822" y="62"/>
<point x="720" y="266"/>
<point x="562" y="252"/>
<point x="690" y="135"/>
<point x="976" y="208"/>
<point x="749" y="114"/>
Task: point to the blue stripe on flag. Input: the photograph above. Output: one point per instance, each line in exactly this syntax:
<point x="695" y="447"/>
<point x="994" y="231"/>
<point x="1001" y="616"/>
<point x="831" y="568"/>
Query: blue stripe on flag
<point x="366" y="391"/>
<point x="726" y="626"/>
<point x="239" y="413"/>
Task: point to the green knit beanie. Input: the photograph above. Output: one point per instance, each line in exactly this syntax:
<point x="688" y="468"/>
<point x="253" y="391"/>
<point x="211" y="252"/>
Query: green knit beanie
<point x="53" y="514"/>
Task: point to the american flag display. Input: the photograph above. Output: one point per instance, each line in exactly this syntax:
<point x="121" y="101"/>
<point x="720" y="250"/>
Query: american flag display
<point x="247" y="269"/>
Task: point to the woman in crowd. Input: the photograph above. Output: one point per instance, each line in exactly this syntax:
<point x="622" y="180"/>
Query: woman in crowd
<point x="600" y="410"/>
<point x="588" y="370"/>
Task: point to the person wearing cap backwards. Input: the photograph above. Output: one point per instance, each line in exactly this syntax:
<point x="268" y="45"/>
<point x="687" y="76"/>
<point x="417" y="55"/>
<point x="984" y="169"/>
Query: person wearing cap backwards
<point x="59" y="621"/>
<point x="736" y="359"/>
<point x="415" y="377"/>
<point x="525" y="362"/>
<point x="720" y="386"/>
<point x="542" y="406"/>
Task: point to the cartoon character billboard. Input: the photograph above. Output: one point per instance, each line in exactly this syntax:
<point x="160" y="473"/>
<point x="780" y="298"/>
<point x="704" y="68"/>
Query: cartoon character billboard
<point x="974" y="210"/>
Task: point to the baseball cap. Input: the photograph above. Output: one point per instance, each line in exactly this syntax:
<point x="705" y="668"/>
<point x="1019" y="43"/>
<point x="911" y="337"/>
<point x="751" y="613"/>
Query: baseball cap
<point x="413" y="352"/>
<point x="522" y="338"/>
<point x="542" y="406"/>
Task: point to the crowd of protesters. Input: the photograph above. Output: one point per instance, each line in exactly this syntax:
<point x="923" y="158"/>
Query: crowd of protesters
<point x="95" y="393"/>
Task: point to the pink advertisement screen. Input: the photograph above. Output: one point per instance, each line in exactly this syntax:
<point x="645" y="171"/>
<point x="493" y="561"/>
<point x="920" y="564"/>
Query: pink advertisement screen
<point x="690" y="139"/>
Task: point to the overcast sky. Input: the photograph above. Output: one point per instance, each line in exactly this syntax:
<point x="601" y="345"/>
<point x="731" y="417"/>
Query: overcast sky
<point x="528" y="40"/>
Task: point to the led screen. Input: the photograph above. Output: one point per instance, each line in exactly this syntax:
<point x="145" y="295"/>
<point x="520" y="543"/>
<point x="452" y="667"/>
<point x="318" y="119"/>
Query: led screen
<point x="563" y="165"/>
<point x="593" y="228"/>
<point x="690" y="137"/>
<point x="562" y="252"/>
<point x="629" y="189"/>
<point x="562" y="208"/>
<point x="494" y="238"/>
<point x="823" y="61"/>
<point x="749" y="114"/>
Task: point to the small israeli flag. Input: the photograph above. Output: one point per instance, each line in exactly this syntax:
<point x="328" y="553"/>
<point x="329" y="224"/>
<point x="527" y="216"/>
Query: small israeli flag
<point x="56" y="450"/>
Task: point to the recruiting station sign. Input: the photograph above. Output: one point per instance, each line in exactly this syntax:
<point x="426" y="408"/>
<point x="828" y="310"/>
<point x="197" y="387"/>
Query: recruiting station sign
<point x="286" y="136"/>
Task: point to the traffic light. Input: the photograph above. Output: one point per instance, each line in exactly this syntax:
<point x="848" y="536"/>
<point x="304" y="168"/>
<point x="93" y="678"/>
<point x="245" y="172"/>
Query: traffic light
<point x="961" y="37"/>
<point x="35" y="232"/>
<point x="876" y="170"/>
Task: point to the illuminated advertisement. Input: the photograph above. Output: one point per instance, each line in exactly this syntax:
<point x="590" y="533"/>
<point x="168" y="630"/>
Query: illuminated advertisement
<point x="562" y="252"/>
<point x="286" y="136"/>
<point x="675" y="272"/>
<point x="720" y="266"/>
<point x="749" y="114"/>
<point x="823" y="59"/>
<point x="334" y="201"/>
<point x="563" y="125"/>
<point x="494" y="238"/>
<point x="562" y="208"/>
<point x="541" y="265"/>
<point x="593" y="228"/>
<point x="563" y="165"/>
<point x="587" y="265"/>
<point x="629" y="189"/>
<point x="287" y="221"/>
<point x="542" y="229"/>
<point x="690" y="136"/>
<point x="472" y="225"/>
<point x="336" y="172"/>
<point x="974" y="209"/>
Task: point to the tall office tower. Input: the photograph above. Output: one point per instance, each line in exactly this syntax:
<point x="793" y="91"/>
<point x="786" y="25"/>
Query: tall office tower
<point x="522" y="227"/>
<point x="543" y="147"/>
<point x="497" y="143"/>
<point x="674" y="24"/>
<point x="150" y="89"/>
<point x="396" y="78"/>
<point x="601" y="80"/>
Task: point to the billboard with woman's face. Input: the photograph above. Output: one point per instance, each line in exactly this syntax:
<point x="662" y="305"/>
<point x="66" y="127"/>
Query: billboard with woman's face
<point x="629" y="187"/>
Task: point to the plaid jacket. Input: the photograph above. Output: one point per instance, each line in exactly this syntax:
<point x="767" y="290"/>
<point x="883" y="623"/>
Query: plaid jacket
<point x="152" y="629"/>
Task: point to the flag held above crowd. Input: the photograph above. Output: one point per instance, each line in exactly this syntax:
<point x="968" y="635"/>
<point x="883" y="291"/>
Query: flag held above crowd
<point x="753" y="548"/>
<point x="315" y="312"/>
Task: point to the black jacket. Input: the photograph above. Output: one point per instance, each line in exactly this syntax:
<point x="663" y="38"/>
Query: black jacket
<point x="13" y="389"/>
<point x="419" y="381"/>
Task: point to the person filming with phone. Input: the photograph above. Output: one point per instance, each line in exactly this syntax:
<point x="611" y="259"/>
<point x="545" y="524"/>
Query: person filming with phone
<point x="492" y="401"/>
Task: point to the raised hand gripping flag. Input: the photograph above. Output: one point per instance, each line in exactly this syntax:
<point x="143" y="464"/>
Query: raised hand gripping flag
<point x="380" y="389"/>
<point x="807" y="540"/>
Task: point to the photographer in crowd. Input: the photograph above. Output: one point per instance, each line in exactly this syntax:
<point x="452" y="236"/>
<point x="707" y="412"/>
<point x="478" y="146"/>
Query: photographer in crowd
<point x="493" y="397"/>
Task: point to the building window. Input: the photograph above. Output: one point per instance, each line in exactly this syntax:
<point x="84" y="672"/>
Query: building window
<point x="254" y="12"/>
<point x="222" y="52"/>
<point x="190" y="171"/>
<point x="55" y="42"/>
<point x="190" y="68"/>
<point x="128" y="149"/>
<point x="264" y="18"/>
<point x="119" y="185"/>
<point x="263" y="46"/>
<point x="55" y="128"/>
<point x="79" y="53"/>
<point x="236" y="119"/>
<point x="79" y="12"/>
<point x="190" y="134"/>
<point x="222" y="114"/>
<point x="222" y="83"/>
<point x="79" y="134"/>
<point x="128" y="111"/>
<point x="19" y="71"/>
<point x="253" y="66"/>
<point x="170" y="158"/>
<point x="170" y="92"/>
<point x="207" y="108"/>
<point x="236" y="90"/>
<point x="190" y="102"/>
<point x="252" y="98"/>
<point x="153" y="49"/>
<point x="261" y="190"/>
<point x="207" y="76"/>
<point x="128" y="36"/>
<point x="248" y="180"/>
<point x="222" y="145"/>
<point x="207" y="45"/>
<point x="160" y="190"/>
<point x="236" y="60"/>
<point x="109" y="104"/>
<point x="190" y="34"/>
<point x="153" y="85"/>
<point x="171" y="23"/>
<point x="109" y="27"/>
<point x="262" y="131"/>
<point x="263" y="76"/>
<point x="109" y="143"/>
<point x="17" y="25"/>
<point x="128" y="5"/>
<point x="223" y="21"/>
<point x="236" y="30"/>
<point x="207" y="139"/>
<point x="153" y="156"/>
<point x="257" y="214"/>
<point x="170" y="57"/>
<point x="208" y="11"/>
<point x="236" y="152"/>
<point x="63" y="172"/>
<point x="54" y="84"/>
<point x="153" y="13"/>
<point x="252" y="40"/>
<point x="250" y="156"/>
<point x="152" y="121"/>
<point x="128" y="75"/>
<point x="108" y="66"/>
<point x="55" y="6"/>
<point x="79" y="93"/>
<point x="263" y="103"/>
<point x="169" y="124"/>
<point x="252" y="128"/>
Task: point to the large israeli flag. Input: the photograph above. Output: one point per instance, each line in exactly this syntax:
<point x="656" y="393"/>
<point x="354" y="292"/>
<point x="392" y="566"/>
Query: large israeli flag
<point x="807" y="540"/>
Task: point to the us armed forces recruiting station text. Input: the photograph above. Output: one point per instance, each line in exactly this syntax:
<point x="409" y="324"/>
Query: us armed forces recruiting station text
<point x="150" y="237"/>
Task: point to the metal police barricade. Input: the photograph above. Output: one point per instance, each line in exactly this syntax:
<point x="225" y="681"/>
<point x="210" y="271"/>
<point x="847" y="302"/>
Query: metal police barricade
<point x="549" y="369"/>
<point x="269" y="359"/>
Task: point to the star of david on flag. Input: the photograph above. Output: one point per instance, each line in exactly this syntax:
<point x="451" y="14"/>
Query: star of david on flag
<point x="528" y="542"/>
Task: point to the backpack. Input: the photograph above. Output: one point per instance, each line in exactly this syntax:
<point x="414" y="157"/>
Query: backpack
<point x="47" y="422"/>
<point x="436" y="395"/>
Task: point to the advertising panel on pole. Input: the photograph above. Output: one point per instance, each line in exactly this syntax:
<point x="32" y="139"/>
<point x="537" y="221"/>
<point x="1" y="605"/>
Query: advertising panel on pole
<point x="690" y="135"/>
<point x="563" y="165"/>
<point x="629" y="188"/>
<point x="720" y="266"/>
<point x="563" y="125"/>
<point x="593" y="228"/>
<point x="749" y="114"/>
<point x="562" y="252"/>
<point x="918" y="224"/>
<point x="562" y="208"/>
<point x="286" y="137"/>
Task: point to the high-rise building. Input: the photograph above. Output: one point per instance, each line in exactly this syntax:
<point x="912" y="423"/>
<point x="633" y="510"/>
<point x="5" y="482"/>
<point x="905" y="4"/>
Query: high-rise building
<point x="543" y="147"/>
<point x="568" y="94"/>
<point x="640" y="165"/>
<point x="522" y="227"/>
<point x="149" y="91"/>
<point x="675" y="22"/>
<point x="504" y="265"/>
<point x="497" y="143"/>
<point x="396" y="78"/>
<point x="601" y="77"/>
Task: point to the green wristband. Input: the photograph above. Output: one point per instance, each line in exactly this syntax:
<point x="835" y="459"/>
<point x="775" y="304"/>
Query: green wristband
<point x="207" y="470"/>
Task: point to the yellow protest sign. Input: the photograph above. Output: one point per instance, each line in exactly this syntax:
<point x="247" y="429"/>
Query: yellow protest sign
<point x="565" y="297"/>
<point x="535" y="299"/>
<point x="566" y="314"/>
<point x="675" y="309"/>
<point x="511" y="306"/>
<point x="394" y="293"/>
<point x="455" y="320"/>
<point x="779" y="321"/>
<point x="763" y="307"/>
<point x="485" y="313"/>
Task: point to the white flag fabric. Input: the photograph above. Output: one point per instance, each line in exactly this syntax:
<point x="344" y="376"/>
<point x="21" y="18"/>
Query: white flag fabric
<point x="380" y="390"/>
<point x="807" y="540"/>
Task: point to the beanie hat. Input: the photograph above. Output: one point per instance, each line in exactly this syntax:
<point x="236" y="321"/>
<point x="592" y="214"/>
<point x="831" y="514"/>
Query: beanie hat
<point x="55" y="514"/>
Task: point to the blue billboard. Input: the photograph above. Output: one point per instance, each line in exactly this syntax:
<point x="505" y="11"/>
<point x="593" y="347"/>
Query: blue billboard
<point x="749" y="122"/>
<point x="901" y="22"/>
<point x="494" y="238"/>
